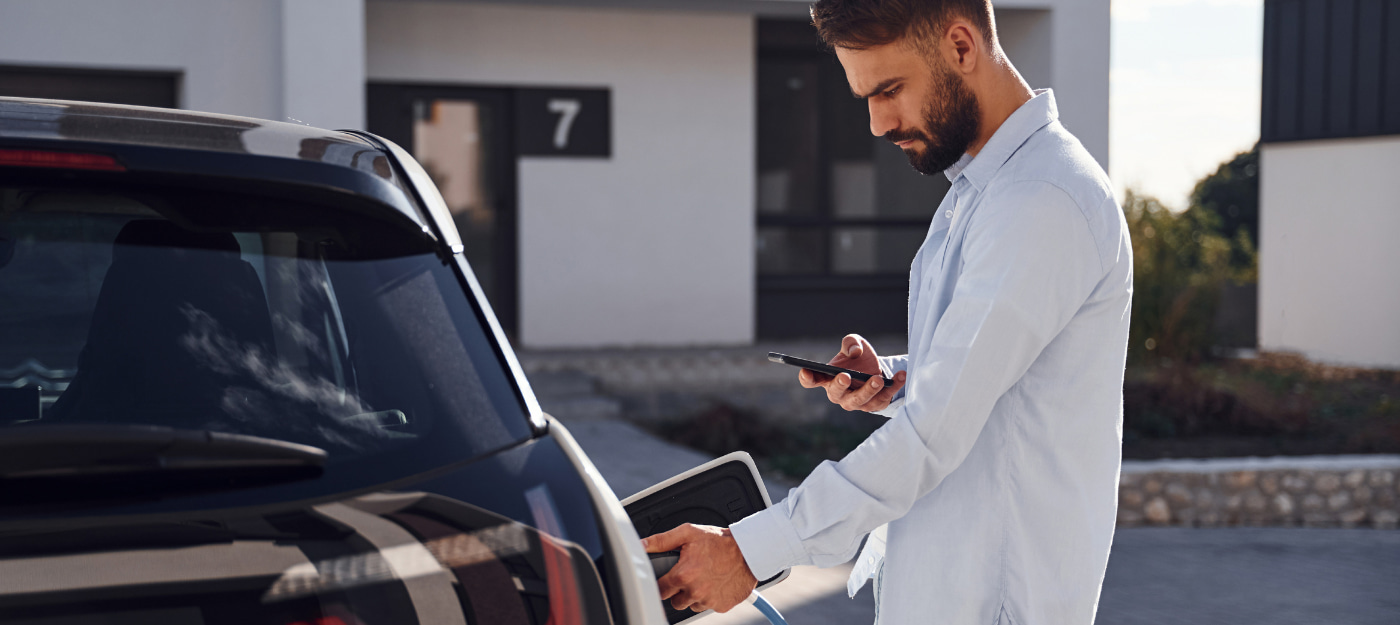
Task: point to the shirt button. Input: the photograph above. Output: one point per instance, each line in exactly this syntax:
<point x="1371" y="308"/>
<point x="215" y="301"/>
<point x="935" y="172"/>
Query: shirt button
<point x="948" y="214"/>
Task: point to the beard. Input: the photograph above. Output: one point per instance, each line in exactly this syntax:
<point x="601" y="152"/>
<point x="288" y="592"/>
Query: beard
<point x="953" y="116"/>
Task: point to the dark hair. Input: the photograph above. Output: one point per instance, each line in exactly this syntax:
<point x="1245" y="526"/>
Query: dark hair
<point x="860" y="24"/>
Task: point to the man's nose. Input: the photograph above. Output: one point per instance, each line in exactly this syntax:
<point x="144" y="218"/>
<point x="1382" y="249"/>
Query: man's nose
<point x="882" y="119"/>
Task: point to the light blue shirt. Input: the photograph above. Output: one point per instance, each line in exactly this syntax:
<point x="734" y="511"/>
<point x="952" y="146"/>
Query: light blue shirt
<point x="997" y="473"/>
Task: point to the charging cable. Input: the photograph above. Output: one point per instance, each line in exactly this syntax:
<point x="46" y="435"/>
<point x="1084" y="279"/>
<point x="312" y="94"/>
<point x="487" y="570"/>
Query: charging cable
<point x="766" y="608"/>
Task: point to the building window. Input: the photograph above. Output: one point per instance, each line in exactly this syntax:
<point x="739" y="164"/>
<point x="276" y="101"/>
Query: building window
<point x="110" y="86"/>
<point x="840" y="212"/>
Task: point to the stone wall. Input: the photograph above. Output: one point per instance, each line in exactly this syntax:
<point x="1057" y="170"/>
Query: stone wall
<point x="1316" y="491"/>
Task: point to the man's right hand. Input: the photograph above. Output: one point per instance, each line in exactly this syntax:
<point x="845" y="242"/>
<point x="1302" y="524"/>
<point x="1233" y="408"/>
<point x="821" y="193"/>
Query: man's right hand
<point x="858" y="355"/>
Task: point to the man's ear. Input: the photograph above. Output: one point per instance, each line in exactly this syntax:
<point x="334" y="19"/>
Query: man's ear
<point x="961" y="46"/>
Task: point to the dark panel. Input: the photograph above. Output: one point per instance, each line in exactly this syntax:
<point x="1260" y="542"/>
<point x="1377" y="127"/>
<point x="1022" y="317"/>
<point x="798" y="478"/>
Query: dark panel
<point x="1341" y="65"/>
<point x="832" y="312"/>
<point x="789" y="147"/>
<point x="1369" y="79"/>
<point x="112" y="87"/>
<point x="1289" y="71"/>
<point x="563" y="122"/>
<point x="1315" y="79"/>
<point x="788" y="35"/>
<point x="1268" y="104"/>
<point x="1390" y="69"/>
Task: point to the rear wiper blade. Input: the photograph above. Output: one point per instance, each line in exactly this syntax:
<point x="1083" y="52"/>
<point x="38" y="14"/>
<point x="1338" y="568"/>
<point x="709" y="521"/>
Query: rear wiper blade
<point x="90" y="461"/>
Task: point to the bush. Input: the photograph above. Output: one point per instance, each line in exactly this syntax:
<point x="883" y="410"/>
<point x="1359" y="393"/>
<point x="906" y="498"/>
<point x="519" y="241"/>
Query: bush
<point x="1181" y="264"/>
<point x="1232" y="193"/>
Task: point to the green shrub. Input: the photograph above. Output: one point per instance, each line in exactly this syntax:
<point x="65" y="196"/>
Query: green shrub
<point x="1180" y="265"/>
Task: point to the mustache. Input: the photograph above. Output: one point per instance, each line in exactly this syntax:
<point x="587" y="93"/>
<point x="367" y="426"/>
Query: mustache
<point x="895" y="136"/>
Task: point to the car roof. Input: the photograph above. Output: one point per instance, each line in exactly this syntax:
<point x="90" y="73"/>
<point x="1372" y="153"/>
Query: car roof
<point x="63" y="120"/>
<point x="212" y="145"/>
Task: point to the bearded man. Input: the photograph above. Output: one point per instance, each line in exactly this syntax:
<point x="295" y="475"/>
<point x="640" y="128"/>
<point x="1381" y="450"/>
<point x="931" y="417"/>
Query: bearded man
<point x="997" y="472"/>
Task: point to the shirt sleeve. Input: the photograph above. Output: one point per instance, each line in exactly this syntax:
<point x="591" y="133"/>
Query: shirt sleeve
<point x="1029" y="264"/>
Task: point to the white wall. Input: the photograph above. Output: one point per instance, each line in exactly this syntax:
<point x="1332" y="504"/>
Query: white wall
<point x="1076" y="65"/>
<point x="231" y="54"/>
<point x="323" y="62"/>
<point x="1027" y="39"/>
<point x="1329" y="250"/>
<point x="653" y="246"/>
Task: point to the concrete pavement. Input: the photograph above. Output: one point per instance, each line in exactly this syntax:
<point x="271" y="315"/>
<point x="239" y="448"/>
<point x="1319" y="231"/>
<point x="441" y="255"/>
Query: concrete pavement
<point x="1279" y="576"/>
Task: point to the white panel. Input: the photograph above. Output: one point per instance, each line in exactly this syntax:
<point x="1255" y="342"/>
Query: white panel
<point x="323" y="62"/>
<point x="1329" y="260"/>
<point x="653" y="246"/>
<point x="1025" y="36"/>
<point x="228" y="51"/>
<point x="1079" y="71"/>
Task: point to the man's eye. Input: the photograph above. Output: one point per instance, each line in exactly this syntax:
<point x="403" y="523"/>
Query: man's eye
<point x="891" y="92"/>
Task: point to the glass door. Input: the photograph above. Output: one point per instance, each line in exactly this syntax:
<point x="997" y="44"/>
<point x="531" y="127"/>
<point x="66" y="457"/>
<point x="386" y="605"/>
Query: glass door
<point x="840" y="213"/>
<point x="462" y="138"/>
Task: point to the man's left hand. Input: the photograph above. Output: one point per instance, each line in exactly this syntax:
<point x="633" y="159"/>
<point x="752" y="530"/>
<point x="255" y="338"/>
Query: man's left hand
<point x="711" y="573"/>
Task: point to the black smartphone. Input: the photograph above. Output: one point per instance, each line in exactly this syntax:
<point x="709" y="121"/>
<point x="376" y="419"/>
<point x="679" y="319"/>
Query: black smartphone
<point x="826" y="369"/>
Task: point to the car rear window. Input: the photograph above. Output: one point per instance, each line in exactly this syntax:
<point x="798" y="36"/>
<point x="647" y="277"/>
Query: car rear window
<point x="249" y="315"/>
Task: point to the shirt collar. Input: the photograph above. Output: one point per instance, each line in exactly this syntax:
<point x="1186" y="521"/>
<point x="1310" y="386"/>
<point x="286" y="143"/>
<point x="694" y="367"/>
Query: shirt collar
<point x="1035" y="114"/>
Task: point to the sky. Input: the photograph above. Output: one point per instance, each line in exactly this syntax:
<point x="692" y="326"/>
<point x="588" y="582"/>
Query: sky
<point x="1184" y="85"/>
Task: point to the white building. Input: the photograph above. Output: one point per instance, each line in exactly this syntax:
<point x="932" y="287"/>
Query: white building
<point x="1329" y="194"/>
<point x="626" y="172"/>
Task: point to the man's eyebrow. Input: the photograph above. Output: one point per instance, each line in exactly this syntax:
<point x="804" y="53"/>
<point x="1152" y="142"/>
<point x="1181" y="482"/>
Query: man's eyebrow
<point x="884" y="84"/>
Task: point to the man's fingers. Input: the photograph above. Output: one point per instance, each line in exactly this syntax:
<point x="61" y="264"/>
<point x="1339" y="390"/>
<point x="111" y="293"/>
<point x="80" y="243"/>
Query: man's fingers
<point x="891" y="390"/>
<point x="857" y="398"/>
<point x="668" y="586"/>
<point x="883" y="398"/>
<point x="811" y="379"/>
<point x="667" y="541"/>
<point x="837" y="389"/>
<point x="681" y="600"/>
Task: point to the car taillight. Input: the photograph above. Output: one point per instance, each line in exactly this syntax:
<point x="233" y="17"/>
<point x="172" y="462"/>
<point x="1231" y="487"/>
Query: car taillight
<point x="565" y="607"/>
<point x="59" y="160"/>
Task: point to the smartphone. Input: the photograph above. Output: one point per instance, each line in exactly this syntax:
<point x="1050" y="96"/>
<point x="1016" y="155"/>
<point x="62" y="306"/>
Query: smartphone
<point x="818" y="367"/>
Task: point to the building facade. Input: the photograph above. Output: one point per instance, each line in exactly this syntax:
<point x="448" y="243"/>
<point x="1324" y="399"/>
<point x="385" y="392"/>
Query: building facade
<point x="625" y="172"/>
<point x="1329" y="196"/>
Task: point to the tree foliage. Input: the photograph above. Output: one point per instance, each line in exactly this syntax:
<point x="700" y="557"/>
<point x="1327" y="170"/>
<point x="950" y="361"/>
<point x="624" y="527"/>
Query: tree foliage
<point x="1181" y="263"/>
<point x="1231" y="193"/>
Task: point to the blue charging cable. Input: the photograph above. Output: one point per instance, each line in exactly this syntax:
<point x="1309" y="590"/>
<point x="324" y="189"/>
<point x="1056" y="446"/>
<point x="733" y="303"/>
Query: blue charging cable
<point x="766" y="608"/>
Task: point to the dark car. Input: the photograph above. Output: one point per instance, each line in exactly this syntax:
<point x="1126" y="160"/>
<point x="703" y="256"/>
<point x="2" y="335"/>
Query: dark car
<point x="247" y="376"/>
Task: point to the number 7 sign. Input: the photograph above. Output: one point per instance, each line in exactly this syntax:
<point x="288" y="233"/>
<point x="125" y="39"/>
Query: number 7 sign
<point x="567" y="109"/>
<point x="563" y="122"/>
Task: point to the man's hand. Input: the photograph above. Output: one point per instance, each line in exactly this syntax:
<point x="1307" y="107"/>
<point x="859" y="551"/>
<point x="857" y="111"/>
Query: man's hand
<point x="856" y="354"/>
<point x="711" y="573"/>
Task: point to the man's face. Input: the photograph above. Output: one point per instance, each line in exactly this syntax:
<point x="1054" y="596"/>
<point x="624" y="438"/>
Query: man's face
<point x="916" y="102"/>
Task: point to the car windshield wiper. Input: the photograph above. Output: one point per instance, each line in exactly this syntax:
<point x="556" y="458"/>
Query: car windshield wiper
<point x="101" y="463"/>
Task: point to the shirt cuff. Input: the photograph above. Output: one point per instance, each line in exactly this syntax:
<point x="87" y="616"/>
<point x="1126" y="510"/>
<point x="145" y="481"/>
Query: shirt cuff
<point x="891" y="411"/>
<point x="768" y="541"/>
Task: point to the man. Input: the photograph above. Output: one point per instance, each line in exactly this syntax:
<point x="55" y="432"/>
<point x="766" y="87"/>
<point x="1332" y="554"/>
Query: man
<point x="997" y="472"/>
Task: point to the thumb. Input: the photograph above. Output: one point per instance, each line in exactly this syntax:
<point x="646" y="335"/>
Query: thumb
<point x="666" y="541"/>
<point x="852" y="346"/>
